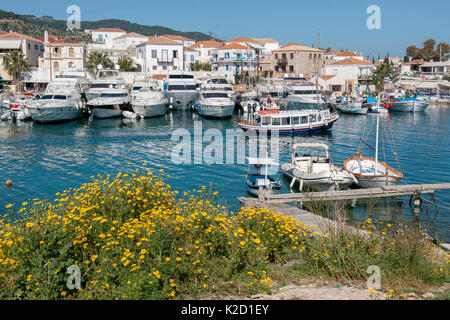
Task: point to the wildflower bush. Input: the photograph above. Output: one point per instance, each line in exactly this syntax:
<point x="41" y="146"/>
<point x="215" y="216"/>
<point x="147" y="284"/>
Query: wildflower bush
<point x="134" y="238"/>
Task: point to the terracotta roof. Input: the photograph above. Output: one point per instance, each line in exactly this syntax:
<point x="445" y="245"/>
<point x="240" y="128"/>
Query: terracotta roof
<point x="207" y="44"/>
<point x="244" y="39"/>
<point x="351" y="61"/>
<point x="108" y="30"/>
<point x="328" y="77"/>
<point x="266" y="40"/>
<point x="131" y="35"/>
<point x="417" y="61"/>
<point x="333" y="52"/>
<point x="175" y="37"/>
<point x="347" y="54"/>
<point x="160" y="40"/>
<point x="70" y="41"/>
<point x="233" y="46"/>
<point x="189" y="49"/>
<point x="16" y="35"/>
<point x="159" y="76"/>
<point x="297" y="47"/>
<point x="3" y="32"/>
<point x="50" y="39"/>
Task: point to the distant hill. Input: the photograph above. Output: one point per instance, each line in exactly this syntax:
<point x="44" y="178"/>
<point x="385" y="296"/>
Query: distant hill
<point x="35" y="27"/>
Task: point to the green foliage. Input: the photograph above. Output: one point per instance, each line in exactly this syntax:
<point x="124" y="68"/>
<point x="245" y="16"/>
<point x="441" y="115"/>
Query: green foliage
<point x="383" y="71"/>
<point x="97" y="58"/>
<point x="429" y="51"/>
<point x="126" y="63"/>
<point x="199" y="66"/>
<point x="15" y="63"/>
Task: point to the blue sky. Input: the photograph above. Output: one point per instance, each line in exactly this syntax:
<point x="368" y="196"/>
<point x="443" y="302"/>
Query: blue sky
<point x="342" y="24"/>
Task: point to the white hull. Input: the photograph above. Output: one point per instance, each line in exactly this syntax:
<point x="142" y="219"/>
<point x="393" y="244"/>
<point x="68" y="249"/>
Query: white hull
<point x="55" y="114"/>
<point x="101" y="113"/>
<point x="148" y="111"/>
<point x="182" y="100"/>
<point x="409" y="106"/>
<point x="364" y="171"/>
<point x="215" y="111"/>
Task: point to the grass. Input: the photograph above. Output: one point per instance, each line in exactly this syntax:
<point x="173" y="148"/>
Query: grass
<point x="133" y="237"/>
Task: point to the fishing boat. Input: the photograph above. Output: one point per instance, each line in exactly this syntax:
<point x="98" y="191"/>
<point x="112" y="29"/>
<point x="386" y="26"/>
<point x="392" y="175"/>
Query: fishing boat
<point x="147" y="98"/>
<point x="291" y="122"/>
<point x="257" y="180"/>
<point x="352" y="108"/>
<point x="181" y="90"/>
<point x="215" y="104"/>
<point x="313" y="170"/>
<point x="370" y="172"/>
<point x="408" y="105"/>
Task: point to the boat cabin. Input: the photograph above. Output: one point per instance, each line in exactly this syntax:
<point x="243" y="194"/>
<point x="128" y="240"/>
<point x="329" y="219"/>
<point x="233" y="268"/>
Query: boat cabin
<point x="293" y="118"/>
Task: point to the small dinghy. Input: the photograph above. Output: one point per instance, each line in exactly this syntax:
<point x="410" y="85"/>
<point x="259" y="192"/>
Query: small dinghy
<point x="314" y="170"/>
<point x="131" y="115"/>
<point x="256" y="180"/>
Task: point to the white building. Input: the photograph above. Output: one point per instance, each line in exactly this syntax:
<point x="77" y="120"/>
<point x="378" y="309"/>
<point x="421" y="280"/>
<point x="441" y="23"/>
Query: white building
<point x="347" y="55"/>
<point x="128" y="40"/>
<point x="350" y="69"/>
<point x="233" y="58"/>
<point x="205" y="49"/>
<point x="190" y="55"/>
<point x="269" y="45"/>
<point x="106" y="36"/>
<point x="30" y="47"/>
<point x="160" y="55"/>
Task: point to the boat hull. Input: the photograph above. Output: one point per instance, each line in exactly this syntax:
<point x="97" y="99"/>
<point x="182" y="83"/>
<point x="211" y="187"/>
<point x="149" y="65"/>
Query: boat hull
<point x="182" y="100"/>
<point x="212" y="111"/>
<point x="55" y="114"/>
<point x="408" y="106"/>
<point x="290" y="131"/>
<point x="150" y="111"/>
<point x="105" y="113"/>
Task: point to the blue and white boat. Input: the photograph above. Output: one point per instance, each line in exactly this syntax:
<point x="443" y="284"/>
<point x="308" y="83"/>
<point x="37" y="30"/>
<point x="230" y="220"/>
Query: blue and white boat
<point x="353" y="108"/>
<point x="256" y="180"/>
<point x="291" y="122"/>
<point x="409" y="104"/>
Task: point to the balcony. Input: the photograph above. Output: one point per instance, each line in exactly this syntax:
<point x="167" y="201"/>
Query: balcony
<point x="165" y="60"/>
<point x="282" y="62"/>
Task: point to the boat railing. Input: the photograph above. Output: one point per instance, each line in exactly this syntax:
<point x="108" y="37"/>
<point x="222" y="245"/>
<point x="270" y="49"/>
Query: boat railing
<point x="249" y="123"/>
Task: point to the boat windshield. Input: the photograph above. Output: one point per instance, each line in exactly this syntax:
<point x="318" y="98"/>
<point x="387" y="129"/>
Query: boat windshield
<point x="218" y="81"/>
<point x="310" y="152"/>
<point x="181" y="76"/>
<point x="300" y="92"/>
<point x="181" y="87"/>
<point x="55" y="97"/>
<point x="137" y="88"/>
<point x="215" y="95"/>
<point x="103" y="85"/>
<point x="112" y="95"/>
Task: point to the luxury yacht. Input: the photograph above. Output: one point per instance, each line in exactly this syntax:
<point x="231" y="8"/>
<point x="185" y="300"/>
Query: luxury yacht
<point x="147" y="98"/>
<point x="181" y="90"/>
<point x="215" y="104"/>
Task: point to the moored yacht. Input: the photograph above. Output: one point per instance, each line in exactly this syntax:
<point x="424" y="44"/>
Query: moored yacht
<point x="304" y="95"/>
<point x="147" y="98"/>
<point x="107" y="95"/>
<point x="215" y="104"/>
<point x="63" y="100"/>
<point x="181" y="90"/>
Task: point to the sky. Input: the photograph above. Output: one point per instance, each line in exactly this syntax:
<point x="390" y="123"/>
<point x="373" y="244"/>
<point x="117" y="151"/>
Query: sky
<point x="342" y="24"/>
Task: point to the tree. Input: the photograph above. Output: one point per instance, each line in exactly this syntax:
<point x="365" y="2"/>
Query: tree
<point x="97" y="58"/>
<point x="429" y="51"/>
<point x="383" y="71"/>
<point x="126" y="63"/>
<point x="15" y="63"/>
<point x="405" y="59"/>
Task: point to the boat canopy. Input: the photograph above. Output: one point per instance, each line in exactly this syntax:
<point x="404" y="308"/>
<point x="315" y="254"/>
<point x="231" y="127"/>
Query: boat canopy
<point x="311" y="145"/>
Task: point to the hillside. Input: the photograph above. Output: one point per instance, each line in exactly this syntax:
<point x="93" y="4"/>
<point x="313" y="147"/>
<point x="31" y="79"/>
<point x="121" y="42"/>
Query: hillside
<point x="35" y="27"/>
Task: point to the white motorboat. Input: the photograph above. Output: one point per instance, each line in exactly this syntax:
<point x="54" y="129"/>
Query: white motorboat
<point x="16" y="107"/>
<point x="107" y="96"/>
<point x="372" y="173"/>
<point x="256" y="180"/>
<point x="304" y="95"/>
<point x="62" y="100"/>
<point x="215" y="104"/>
<point x="147" y="98"/>
<point x="313" y="171"/>
<point x="181" y="90"/>
<point x="219" y="83"/>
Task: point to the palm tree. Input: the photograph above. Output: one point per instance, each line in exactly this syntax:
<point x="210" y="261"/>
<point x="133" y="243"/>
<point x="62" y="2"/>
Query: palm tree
<point x="97" y="58"/>
<point x="383" y="71"/>
<point x="15" y="63"/>
<point x="126" y="64"/>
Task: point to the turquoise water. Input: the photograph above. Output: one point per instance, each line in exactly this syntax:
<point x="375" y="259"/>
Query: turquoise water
<point x="42" y="160"/>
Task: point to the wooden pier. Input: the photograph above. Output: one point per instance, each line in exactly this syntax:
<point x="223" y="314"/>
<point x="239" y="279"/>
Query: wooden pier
<point x="383" y="192"/>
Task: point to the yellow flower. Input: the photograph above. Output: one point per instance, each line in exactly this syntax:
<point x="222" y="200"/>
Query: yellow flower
<point x="257" y="241"/>
<point x="8" y="206"/>
<point x="94" y="257"/>
<point x="24" y="204"/>
<point x="63" y="293"/>
<point x="167" y="259"/>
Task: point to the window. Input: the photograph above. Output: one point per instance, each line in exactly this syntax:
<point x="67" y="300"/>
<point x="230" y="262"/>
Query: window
<point x="174" y="67"/>
<point x="276" y="55"/>
<point x="154" y="67"/>
<point x="175" y="53"/>
<point x="292" y="55"/>
<point x="192" y="58"/>
<point x="56" y="65"/>
<point x="310" y="55"/>
<point x="70" y="64"/>
<point x="36" y="47"/>
<point x="304" y="120"/>
<point x="291" y="69"/>
<point x="276" y="121"/>
<point x="100" y="38"/>
<point x="153" y="54"/>
<point x="264" y="121"/>
<point x="29" y="46"/>
<point x="285" y="121"/>
<point x="226" y="67"/>
<point x="71" y="52"/>
<point x="164" y="68"/>
<point x="283" y="56"/>
<point x="295" y="120"/>
<point x="227" y="55"/>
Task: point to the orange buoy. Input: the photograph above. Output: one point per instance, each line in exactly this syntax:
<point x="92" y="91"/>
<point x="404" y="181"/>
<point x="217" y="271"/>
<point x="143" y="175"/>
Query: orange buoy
<point x="9" y="183"/>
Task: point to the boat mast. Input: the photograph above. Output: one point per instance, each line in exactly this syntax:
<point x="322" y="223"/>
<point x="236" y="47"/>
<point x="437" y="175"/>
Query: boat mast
<point x="376" y="145"/>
